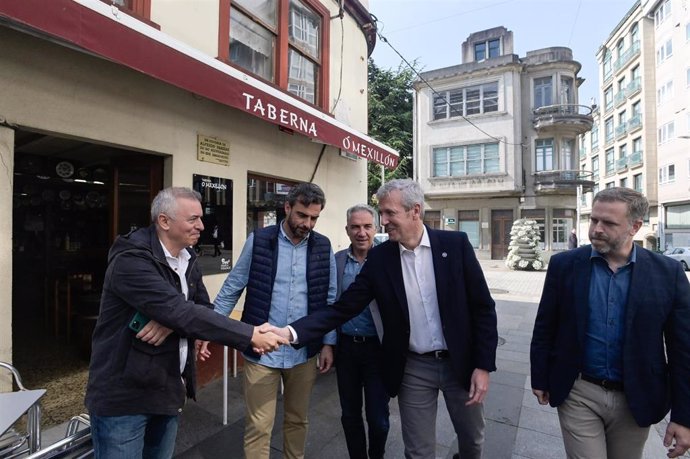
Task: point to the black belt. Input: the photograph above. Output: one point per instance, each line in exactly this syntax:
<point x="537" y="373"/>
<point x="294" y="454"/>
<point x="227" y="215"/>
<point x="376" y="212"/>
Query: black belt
<point x="358" y="339"/>
<point x="605" y="383"/>
<point x="438" y="355"/>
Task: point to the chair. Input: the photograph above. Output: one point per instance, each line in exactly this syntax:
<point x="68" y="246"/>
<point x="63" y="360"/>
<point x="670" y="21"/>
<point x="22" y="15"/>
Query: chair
<point x="14" y="442"/>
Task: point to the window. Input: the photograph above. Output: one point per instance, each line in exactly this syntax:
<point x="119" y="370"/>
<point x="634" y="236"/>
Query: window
<point x="560" y="229"/>
<point x="608" y="130"/>
<point x="634" y="33"/>
<point x="665" y="132"/>
<point x="687" y="31"/>
<point x="137" y="8"/>
<point x="637" y="145"/>
<point x="595" y="137"/>
<point x="620" y="48"/>
<point x="610" y="161"/>
<point x="622" y="85"/>
<point x="595" y="167"/>
<point x="543" y="88"/>
<point x="664" y="51"/>
<point x="622" y="118"/>
<point x="678" y="216"/>
<point x="280" y="41"/>
<point x="608" y="98"/>
<point x="637" y="183"/>
<point x="623" y="151"/>
<point x="567" y="91"/>
<point x="664" y="92"/>
<point x="667" y="174"/>
<point x="610" y="184"/>
<point x="607" y="64"/>
<point x="624" y="182"/>
<point x="567" y="146"/>
<point x="265" y="200"/>
<point x="635" y="73"/>
<point x="544" y="154"/>
<point x="464" y="160"/>
<point x="472" y="100"/>
<point x="636" y="110"/>
<point x="662" y="12"/>
<point x="538" y="215"/>
<point x="468" y="221"/>
<point x="487" y="49"/>
<point x="432" y="218"/>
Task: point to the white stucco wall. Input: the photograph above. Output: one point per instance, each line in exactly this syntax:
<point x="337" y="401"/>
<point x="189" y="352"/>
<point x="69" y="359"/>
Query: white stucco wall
<point x="6" y="181"/>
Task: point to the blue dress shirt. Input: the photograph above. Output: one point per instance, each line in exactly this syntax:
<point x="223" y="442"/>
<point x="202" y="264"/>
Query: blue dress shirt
<point x="363" y="324"/>
<point x="608" y="299"/>
<point x="289" y="299"/>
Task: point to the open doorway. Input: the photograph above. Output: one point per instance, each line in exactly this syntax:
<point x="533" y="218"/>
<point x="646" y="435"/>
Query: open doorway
<point x="71" y="198"/>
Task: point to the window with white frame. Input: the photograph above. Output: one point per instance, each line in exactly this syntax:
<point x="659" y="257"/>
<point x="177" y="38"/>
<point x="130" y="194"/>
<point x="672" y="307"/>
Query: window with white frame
<point x="635" y="73"/>
<point x="607" y="64"/>
<point x="566" y="89"/>
<point x="538" y="215"/>
<point x="667" y="174"/>
<point x="467" y="101"/>
<point x="637" y="145"/>
<point x="634" y="33"/>
<point x="304" y="27"/>
<point x="622" y="118"/>
<point x="623" y="151"/>
<point x="608" y="98"/>
<point x="462" y="160"/>
<point x="608" y="130"/>
<point x="636" y="108"/>
<point x="595" y="167"/>
<point x="610" y="161"/>
<point x="664" y="92"/>
<point x="678" y="216"/>
<point x="666" y="132"/>
<point x="664" y="51"/>
<point x="487" y="49"/>
<point x="543" y="149"/>
<point x="637" y="183"/>
<point x="662" y="12"/>
<point x="595" y="137"/>
<point x="543" y="92"/>
<point x="567" y="147"/>
<point x="610" y="184"/>
<point x="560" y="229"/>
<point x="624" y="182"/>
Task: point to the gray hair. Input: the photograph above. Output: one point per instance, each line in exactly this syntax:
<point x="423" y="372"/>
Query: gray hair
<point x="410" y="191"/>
<point x="360" y="208"/>
<point x="165" y="201"/>
<point x="307" y="194"/>
<point x="637" y="204"/>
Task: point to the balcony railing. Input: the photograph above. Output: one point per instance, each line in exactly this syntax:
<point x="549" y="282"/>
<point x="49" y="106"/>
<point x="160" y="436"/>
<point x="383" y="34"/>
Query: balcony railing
<point x="635" y="159"/>
<point x="620" y="97"/>
<point x="621" y="130"/>
<point x="576" y="117"/>
<point x="626" y="56"/>
<point x="621" y="164"/>
<point x="634" y="86"/>
<point x="634" y="123"/>
<point x="563" y="179"/>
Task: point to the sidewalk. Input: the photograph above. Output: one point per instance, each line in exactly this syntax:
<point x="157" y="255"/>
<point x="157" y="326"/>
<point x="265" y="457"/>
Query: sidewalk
<point x="517" y="426"/>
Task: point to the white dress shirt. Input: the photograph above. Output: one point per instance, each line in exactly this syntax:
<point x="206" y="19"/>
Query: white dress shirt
<point x="180" y="264"/>
<point x="426" y="331"/>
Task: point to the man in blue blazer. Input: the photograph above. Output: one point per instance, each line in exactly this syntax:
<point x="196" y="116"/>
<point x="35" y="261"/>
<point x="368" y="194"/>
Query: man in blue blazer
<point x="611" y="342"/>
<point x="439" y="322"/>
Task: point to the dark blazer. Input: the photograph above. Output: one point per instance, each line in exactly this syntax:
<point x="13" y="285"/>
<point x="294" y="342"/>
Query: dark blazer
<point x="658" y="312"/>
<point x="468" y="313"/>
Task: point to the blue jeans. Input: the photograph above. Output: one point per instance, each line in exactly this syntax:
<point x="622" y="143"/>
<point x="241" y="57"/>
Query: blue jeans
<point x="358" y="366"/>
<point x="134" y="436"/>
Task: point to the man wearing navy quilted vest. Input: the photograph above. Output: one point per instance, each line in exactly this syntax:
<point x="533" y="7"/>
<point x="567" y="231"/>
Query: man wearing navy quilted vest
<point x="289" y="272"/>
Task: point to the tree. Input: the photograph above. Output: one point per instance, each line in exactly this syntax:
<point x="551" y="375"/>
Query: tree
<point x="390" y="119"/>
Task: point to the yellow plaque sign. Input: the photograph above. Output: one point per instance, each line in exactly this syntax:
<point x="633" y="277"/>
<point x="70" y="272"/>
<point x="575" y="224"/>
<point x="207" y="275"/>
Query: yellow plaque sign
<point x="212" y="150"/>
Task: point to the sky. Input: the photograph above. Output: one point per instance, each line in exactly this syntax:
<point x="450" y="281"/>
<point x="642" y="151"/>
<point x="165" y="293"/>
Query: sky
<point x="432" y="31"/>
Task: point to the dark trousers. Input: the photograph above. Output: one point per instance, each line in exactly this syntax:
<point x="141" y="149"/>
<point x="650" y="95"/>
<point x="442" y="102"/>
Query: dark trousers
<point x="358" y="368"/>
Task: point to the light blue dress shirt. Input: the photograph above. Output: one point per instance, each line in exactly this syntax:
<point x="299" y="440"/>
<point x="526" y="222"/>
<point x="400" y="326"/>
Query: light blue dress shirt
<point x="289" y="299"/>
<point x="363" y="324"/>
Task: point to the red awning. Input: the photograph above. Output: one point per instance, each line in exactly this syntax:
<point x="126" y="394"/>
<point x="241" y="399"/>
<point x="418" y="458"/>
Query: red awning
<point x="103" y="30"/>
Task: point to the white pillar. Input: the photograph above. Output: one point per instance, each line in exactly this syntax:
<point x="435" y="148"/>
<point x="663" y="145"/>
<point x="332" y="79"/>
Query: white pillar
<point x="6" y="182"/>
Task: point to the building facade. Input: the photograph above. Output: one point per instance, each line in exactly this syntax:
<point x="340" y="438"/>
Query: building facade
<point x="671" y="20"/>
<point x="495" y="140"/>
<point x="102" y="103"/>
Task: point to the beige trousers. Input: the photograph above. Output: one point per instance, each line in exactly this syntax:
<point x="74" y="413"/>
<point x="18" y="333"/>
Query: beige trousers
<point x="597" y="423"/>
<point x="261" y="386"/>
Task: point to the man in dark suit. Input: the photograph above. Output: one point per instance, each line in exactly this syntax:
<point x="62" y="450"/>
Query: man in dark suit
<point x="611" y="339"/>
<point x="439" y="322"/>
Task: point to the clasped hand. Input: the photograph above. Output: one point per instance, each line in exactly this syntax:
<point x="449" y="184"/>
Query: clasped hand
<point x="264" y="339"/>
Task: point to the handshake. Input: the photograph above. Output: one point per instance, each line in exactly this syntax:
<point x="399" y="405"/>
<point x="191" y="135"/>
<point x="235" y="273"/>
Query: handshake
<point x="266" y="338"/>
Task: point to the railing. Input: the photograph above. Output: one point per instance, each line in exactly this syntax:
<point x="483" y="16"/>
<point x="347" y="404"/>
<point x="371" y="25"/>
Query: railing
<point x="622" y="164"/>
<point x="634" y="86"/>
<point x="635" y="159"/>
<point x="620" y="97"/>
<point x="579" y="116"/>
<point x="634" y="123"/>
<point x="621" y="130"/>
<point x="563" y="179"/>
<point x="626" y="56"/>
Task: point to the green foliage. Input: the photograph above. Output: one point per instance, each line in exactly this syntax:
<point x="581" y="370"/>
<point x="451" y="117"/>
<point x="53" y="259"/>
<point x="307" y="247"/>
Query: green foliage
<point x="390" y="119"/>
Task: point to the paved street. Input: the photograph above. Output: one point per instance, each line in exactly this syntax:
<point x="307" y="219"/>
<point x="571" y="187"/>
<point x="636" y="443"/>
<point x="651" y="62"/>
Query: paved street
<point x="517" y="426"/>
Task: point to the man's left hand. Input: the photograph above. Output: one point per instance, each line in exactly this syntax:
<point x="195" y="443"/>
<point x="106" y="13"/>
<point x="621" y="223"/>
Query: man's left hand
<point x="154" y="333"/>
<point x="479" y="386"/>
<point x="681" y="434"/>
<point x="326" y="358"/>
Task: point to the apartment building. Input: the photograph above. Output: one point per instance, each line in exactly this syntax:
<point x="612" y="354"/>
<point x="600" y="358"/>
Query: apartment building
<point x="495" y="140"/>
<point x="620" y="150"/>
<point x="671" y="20"/>
<point x="103" y="102"/>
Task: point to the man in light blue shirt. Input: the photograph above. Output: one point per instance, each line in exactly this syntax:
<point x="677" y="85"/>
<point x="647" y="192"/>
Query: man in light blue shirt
<point x="289" y="272"/>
